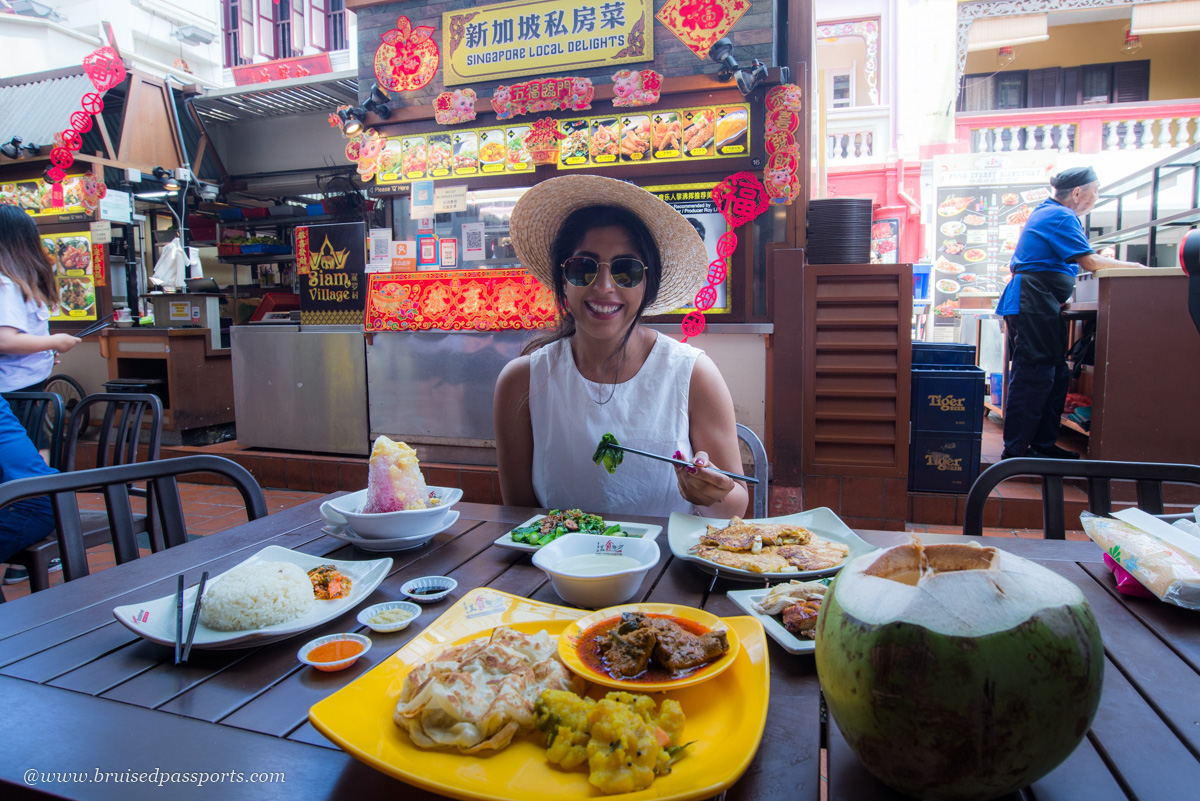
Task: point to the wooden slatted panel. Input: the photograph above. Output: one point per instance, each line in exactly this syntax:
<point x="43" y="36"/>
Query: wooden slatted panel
<point x="857" y="358"/>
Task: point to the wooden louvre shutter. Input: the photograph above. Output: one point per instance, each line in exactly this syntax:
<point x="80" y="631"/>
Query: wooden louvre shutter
<point x="1072" y="83"/>
<point x="316" y="23"/>
<point x="266" y="27"/>
<point x="246" y="30"/>
<point x="1045" y="87"/>
<point x="297" y="14"/>
<point x="1131" y="82"/>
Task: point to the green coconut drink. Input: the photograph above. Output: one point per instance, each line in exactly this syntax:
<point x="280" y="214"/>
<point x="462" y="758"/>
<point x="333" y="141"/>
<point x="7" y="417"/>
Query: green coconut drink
<point x="958" y="672"/>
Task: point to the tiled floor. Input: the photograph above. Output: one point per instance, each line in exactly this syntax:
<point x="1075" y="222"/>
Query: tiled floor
<point x="209" y="508"/>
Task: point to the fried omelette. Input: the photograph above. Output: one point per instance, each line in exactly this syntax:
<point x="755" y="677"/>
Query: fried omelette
<point x="768" y="548"/>
<point x="742" y="536"/>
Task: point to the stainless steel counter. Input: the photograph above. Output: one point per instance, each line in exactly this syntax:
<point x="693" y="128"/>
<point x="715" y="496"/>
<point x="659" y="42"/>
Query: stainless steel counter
<point x="301" y="389"/>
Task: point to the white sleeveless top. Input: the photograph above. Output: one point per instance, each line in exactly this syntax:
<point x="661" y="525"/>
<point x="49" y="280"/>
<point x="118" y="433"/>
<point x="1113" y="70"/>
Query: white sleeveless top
<point x="570" y="415"/>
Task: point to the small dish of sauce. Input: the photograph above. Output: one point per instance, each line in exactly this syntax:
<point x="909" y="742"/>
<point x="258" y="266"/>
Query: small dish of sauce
<point x="334" y="652"/>
<point x="389" y="616"/>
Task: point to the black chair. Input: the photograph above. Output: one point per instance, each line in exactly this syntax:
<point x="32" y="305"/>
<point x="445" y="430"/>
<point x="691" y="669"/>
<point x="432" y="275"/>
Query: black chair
<point x="761" y="471"/>
<point x="125" y="418"/>
<point x="41" y="415"/>
<point x="114" y="482"/>
<point x="1149" y="477"/>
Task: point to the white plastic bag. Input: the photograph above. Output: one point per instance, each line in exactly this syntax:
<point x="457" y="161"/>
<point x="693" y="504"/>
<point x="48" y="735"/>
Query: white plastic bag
<point x="171" y="267"/>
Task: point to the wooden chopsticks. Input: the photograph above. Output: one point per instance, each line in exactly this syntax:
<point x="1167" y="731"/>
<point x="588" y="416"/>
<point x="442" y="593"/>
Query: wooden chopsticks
<point x="182" y="648"/>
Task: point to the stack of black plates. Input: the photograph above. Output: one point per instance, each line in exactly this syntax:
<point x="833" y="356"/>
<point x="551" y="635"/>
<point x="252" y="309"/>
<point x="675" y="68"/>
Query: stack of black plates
<point x="839" y="231"/>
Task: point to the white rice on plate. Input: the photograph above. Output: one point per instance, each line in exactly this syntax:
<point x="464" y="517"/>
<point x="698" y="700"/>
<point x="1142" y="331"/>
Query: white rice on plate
<point x="255" y="595"/>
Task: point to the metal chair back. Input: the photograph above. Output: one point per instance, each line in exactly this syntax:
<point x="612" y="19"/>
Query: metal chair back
<point x="125" y="418"/>
<point x="41" y="415"/>
<point x="761" y="468"/>
<point x="1149" y="478"/>
<point x="114" y="483"/>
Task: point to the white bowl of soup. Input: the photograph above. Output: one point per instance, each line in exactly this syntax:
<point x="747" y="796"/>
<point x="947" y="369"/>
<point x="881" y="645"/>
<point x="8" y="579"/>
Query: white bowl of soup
<point x="592" y="571"/>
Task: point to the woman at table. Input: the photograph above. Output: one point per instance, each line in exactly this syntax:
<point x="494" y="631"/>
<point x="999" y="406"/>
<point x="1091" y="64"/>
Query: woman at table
<point x="1051" y="251"/>
<point x="27" y="291"/>
<point x="612" y="254"/>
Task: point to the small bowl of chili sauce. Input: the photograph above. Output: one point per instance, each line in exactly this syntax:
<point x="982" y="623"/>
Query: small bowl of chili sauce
<point x="429" y="589"/>
<point x="335" y="651"/>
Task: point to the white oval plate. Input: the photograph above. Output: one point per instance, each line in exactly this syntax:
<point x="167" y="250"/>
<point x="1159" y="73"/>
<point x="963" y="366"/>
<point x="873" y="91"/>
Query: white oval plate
<point x="683" y="531"/>
<point x="771" y="625"/>
<point x="345" y="534"/>
<point x="643" y="530"/>
<point x="155" y="620"/>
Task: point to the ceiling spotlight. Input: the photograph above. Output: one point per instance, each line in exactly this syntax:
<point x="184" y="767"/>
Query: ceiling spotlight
<point x="193" y="35"/>
<point x="33" y="148"/>
<point x="352" y="120"/>
<point x="749" y="79"/>
<point x="168" y="180"/>
<point x="12" y="148"/>
<point x="722" y="53"/>
<point x="378" y="103"/>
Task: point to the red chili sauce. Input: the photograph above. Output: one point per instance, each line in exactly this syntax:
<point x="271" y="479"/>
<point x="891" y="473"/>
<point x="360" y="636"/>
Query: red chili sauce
<point x="335" y="651"/>
<point x="588" y="649"/>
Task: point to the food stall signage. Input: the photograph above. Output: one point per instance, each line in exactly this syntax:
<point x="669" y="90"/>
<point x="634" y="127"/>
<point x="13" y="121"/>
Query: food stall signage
<point x="332" y="288"/>
<point x="700" y="23"/>
<point x="36" y="197"/>
<point x="695" y="202"/>
<point x="282" y="69"/>
<point x="526" y="38"/>
<point x="75" y="264"/>
<point x="463" y="300"/>
<point x="544" y="94"/>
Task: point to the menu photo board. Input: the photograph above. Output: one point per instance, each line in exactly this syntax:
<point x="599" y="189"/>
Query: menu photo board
<point x="695" y="203"/>
<point x="977" y="232"/>
<point x="75" y="273"/>
<point x="595" y="141"/>
<point x="36" y="197"/>
<point x="331" y="261"/>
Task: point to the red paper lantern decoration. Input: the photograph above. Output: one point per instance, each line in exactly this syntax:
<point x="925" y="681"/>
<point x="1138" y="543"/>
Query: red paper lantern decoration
<point x="105" y="68"/>
<point x="717" y="272"/>
<point x="706" y="298"/>
<point x="93" y="103"/>
<point x="692" y="325"/>
<point x="71" y="139"/>
<point x="81" y="121"/>
<point x="726" y="244"/>
<point x="61" y="157"/>
<point x="407" y="59"/>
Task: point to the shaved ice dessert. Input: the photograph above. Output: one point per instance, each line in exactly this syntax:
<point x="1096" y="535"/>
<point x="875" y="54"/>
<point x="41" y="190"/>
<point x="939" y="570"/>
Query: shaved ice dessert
<point x="394" y="480"/>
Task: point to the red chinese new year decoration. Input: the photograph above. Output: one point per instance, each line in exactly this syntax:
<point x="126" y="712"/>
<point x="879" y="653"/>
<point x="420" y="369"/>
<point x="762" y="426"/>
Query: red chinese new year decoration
<point x="740" y="198"/>
<point x="407" y="59"/>
<point x="81" y="122"/>
<point x="105" y="68"/>
<point x="454" y="107"/>
<point x="545" y="94"/>
<point x="468" y="300"/>
<point x="633" y="88"/>
<point x="61" y="157"/>
<point x="700" y="23"/>
<point x="783" y="153"/>
<point x="542" y="141"/>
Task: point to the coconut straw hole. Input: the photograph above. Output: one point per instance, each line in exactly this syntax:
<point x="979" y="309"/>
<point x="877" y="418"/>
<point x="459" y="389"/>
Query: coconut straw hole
<point x="906" y="563"/>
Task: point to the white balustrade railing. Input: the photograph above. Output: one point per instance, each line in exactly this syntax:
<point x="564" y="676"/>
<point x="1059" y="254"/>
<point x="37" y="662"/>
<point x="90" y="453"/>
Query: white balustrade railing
<point x="1140" y="132"/>
<point x="849" y="146"/>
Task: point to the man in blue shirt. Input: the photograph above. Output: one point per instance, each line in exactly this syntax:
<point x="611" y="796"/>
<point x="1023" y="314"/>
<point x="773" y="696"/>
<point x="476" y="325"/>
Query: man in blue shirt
<point x="1052" y="249"/>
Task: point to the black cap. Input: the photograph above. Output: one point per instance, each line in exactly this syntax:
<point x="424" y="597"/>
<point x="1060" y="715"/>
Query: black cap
<point x="1073" y="177"/>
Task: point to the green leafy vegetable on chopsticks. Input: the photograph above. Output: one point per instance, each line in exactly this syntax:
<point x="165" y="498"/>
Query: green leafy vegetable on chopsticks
<point x="609" y="453"/>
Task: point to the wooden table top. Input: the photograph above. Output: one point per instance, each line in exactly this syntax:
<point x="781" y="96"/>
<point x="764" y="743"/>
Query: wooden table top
<point x="83" y="694"/>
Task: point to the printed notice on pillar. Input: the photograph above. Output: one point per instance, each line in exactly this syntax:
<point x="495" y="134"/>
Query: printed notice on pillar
<point x="332" y="292"/>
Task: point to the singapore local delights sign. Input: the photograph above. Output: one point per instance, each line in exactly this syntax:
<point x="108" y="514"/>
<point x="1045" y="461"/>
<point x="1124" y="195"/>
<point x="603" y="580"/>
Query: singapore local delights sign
<point x="528" y="38"/>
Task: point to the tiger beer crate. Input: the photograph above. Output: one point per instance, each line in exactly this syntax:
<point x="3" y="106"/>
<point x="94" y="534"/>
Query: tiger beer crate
<point x="948" y="398"/>
<point x="943" y="462"/>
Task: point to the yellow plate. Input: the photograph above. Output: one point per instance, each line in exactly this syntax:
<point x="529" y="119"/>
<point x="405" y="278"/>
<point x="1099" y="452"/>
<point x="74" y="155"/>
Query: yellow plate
<point x="726" y="718"/>
<point x="569" y="654"/>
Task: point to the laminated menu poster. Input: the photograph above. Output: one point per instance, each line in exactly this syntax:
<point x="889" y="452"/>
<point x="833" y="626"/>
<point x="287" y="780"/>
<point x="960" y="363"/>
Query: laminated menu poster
<point x="331" y="261"/>
<point x="695" y="203"/>
<point x="976" y="233"/>
<point x="75" y="273"/>
<point x="885" y="240"/>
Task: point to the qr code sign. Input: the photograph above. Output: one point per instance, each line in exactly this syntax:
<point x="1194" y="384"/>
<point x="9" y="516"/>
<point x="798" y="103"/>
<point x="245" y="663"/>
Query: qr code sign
<point x="379" y="248"/>
<point x="473" y="237"/>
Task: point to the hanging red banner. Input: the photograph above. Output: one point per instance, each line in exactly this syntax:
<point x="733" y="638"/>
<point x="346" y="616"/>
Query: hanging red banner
<point x="462" y="300"/>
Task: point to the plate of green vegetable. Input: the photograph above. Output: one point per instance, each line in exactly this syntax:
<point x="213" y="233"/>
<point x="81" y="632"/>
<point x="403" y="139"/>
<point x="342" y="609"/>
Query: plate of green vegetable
<point x="540" y="530"/>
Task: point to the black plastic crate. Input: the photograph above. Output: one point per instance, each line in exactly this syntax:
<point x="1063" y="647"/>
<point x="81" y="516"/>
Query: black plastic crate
<point x="948" y="398"/>
<point x="943" y="462"/>
<point x="942" y="353"/>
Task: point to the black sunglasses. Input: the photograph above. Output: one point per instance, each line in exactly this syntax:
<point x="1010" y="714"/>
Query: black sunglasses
<point x="627" y="272"/>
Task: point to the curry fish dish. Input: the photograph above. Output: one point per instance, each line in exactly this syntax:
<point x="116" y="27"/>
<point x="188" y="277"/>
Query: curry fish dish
<point x="768" y="548"/>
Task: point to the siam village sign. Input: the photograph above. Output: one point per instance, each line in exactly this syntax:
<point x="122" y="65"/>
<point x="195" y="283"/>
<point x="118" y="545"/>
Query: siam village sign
<point x="510" y="39"/>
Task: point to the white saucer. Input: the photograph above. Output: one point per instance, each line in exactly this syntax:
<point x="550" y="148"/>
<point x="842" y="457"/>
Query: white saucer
<point x="389" y="546"/>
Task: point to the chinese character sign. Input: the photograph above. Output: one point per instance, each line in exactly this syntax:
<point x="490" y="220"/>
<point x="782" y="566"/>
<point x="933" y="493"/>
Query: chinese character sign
<point x="700" y="23"/>
<point x="524" y="38"/>
<point x="407" y="59"/>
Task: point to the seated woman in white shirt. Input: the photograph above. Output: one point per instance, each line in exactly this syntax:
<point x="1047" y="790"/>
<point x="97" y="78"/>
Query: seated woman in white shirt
<point x="612" y="254"/>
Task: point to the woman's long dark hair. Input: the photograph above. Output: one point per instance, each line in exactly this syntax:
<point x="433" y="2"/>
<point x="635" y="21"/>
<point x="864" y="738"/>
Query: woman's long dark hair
<point x="22" y="259"/>
<point x="570" y="234"/>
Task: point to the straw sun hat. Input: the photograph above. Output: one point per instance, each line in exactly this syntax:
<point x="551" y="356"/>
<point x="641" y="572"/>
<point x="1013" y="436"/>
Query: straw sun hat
<point x="541" y="211"/>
